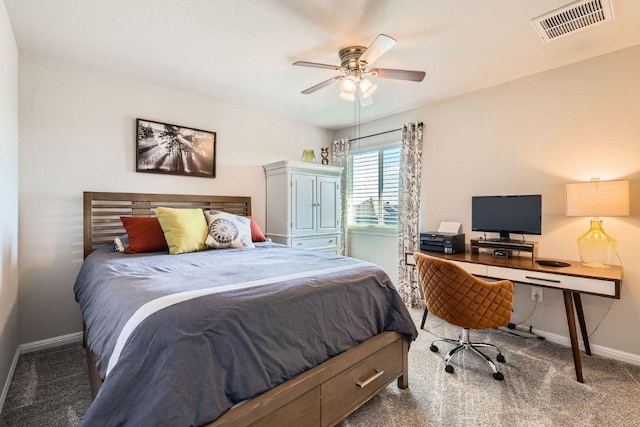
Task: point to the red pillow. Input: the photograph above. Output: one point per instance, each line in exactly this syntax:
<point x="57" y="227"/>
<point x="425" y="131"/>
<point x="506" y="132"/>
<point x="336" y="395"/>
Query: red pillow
<point x="145" y="234"/>
<point x="256" y="233"/>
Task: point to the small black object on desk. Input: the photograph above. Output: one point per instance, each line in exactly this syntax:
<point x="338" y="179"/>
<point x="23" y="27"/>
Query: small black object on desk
<point x="552" y="263"/>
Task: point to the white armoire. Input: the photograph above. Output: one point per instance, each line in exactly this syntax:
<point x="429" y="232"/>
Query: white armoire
<point x="304" y="205"/>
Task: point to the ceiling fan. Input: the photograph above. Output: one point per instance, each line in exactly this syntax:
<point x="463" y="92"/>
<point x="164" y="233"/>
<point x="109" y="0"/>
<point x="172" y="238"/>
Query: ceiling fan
<point x="356" y="62"/>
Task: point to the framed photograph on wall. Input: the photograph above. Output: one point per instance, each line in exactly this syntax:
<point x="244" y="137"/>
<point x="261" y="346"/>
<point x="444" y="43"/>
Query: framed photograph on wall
<point x="173" y="149"/>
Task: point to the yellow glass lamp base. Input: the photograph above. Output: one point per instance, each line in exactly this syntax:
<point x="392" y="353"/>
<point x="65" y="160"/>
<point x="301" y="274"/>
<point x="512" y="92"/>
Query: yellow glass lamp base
<point x="596" y="247"/>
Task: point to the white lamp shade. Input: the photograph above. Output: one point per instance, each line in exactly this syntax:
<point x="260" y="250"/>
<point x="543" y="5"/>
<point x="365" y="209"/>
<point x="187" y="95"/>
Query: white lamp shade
<point x="348" y="86"/>
<point x="365" y="102"/>
<point x="348" y="97"/>
<point x="367" y="88"/>
<point x="598" y="198"/>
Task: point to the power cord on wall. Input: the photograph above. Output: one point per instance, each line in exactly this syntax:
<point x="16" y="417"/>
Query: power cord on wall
<point x="610" y="304"/>
<point x="530" y="314"/>
<point x="605" y="315"/>
<point x="521" y="327"/>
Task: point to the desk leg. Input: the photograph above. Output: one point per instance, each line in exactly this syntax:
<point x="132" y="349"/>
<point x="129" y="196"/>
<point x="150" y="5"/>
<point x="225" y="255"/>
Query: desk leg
<point x="571" y="322"/>
<point x="424" y="317"/>
<point x="583" y="326"/>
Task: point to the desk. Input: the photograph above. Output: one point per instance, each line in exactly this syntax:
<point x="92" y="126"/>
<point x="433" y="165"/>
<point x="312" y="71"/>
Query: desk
<point x="573" y="281"/>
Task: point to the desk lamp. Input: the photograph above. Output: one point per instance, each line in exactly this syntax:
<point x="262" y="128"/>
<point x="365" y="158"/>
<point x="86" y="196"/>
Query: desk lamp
<point x="597" y="198"/>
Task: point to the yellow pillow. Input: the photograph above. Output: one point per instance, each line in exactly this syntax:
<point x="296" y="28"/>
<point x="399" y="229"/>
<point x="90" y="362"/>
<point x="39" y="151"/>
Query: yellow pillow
<point x="184" y="229"/>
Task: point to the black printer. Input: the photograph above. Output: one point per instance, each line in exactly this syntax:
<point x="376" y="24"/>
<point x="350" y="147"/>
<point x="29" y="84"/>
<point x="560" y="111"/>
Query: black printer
<point x="448" y="243"/>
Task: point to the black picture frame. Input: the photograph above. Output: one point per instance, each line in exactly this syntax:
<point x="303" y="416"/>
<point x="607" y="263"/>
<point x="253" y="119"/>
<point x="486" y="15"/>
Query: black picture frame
<point x="171" y="149"/>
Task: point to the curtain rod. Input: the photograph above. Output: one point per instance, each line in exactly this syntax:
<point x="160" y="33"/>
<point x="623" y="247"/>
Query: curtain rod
<point x="375" y="134"/>
<point x="380" y="133"/>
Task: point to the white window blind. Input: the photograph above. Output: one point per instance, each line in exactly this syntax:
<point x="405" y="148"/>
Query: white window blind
<point x="374" y="186"/>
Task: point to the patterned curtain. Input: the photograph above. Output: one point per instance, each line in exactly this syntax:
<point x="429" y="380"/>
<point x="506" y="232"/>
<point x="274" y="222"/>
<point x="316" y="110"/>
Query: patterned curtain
<point x="409" y="210"/>
<point x="340" y="157"/>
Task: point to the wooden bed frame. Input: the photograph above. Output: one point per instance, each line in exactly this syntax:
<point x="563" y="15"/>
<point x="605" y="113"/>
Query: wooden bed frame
<point x="321" y="396"/>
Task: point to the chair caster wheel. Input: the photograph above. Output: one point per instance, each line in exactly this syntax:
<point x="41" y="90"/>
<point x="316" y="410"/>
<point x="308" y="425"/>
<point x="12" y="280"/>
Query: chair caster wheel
<point x="433" y="348"/>
<point x="498" y="376"/>
<point x="500" y="358"/>
<point x="449" y="369"/>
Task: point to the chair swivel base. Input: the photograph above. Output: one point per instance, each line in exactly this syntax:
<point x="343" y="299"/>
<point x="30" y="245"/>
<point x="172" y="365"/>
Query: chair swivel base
<point x="463" y="344"/>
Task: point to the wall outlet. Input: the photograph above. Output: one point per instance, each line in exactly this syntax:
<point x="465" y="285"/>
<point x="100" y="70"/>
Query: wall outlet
<point x="536" y="293"/>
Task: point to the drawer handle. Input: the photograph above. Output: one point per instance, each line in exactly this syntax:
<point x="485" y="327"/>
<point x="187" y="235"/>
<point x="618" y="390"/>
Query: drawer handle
<point x="331" y="241"/>
<point x="299" y="244"/>
<point x="372" y="378"/>
<point x="544" y="280"/>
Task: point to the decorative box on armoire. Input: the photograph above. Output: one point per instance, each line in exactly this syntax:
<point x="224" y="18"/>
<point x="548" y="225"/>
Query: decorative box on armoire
<point x="304" y="205"/>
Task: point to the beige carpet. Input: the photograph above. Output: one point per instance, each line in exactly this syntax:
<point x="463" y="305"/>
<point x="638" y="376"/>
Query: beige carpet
<point x="50" y="388"/>
<point x="539" y="388"/>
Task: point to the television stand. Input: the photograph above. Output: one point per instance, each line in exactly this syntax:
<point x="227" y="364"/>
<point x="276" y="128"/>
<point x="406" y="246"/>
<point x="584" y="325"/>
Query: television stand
<point x="506" y="247"/>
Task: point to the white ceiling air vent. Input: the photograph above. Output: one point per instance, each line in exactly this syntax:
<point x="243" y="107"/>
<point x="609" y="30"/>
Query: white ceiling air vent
<point x="572" y="18"/>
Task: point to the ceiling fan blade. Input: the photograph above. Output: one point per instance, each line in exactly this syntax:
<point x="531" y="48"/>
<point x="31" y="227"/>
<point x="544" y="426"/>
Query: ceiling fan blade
<point x="380" y="45"/>
<point x="316" y="65"/>
<point x="321" y="85"/>
<point x="390" y="73"/>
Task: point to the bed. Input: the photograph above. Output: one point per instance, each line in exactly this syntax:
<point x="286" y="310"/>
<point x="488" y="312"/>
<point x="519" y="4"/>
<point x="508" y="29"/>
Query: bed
<point x="282" y="352"/>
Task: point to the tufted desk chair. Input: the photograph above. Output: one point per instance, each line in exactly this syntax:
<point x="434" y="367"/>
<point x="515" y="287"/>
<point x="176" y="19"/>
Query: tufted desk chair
<point x="459" y="298"/>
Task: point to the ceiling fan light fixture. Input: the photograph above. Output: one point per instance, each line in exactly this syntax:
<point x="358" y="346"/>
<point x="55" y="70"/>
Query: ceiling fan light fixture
<point x="355" y="64"/>
<point x="348" y="97"/>
<point x="348" y="86"/>
<point x="365" y="102"/>
<point x="367" y="88"/>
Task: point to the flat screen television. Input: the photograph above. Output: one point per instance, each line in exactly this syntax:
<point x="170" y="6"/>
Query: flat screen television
<point x="507" y="214"/>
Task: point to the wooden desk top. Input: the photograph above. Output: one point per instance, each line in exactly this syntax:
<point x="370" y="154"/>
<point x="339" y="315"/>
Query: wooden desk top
<point x="614" y="272"/>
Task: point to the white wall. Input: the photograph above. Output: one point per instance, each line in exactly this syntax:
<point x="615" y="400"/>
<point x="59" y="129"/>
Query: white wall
<point x="8" y="195"/>
<point x="380" y="249"/>
<point x="534" y="135"/>
<point x="77" y="130"/>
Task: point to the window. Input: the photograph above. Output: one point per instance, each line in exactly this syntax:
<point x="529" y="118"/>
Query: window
<point x="374" y="186"/>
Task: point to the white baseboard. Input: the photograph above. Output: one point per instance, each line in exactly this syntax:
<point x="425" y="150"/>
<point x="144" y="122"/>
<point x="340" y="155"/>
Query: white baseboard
<point x="599" y="350"/>
<point x="50" y="342"/>
<point x="7" y="383"/>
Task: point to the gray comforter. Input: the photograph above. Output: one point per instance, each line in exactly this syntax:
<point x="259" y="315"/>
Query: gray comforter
<point x="180" y="339"/>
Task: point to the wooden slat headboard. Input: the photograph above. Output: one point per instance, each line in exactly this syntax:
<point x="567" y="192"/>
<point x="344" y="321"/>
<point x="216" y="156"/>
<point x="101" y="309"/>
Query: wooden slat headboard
<point x="102" y="211"/>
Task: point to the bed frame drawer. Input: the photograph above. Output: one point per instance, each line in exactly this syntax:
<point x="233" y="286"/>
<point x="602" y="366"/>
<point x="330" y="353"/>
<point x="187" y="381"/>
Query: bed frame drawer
<point x="304" y="411"/>
<point x="350" y="389"/>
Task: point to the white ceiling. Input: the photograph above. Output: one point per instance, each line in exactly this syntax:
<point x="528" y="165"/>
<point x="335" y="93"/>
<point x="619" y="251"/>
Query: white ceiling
<point x="241" y="51"/>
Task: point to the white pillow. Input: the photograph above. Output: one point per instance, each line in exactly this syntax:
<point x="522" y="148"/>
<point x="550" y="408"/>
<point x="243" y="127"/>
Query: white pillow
<point x="121" y="244"/>
<point x="228" y="231"/>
